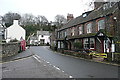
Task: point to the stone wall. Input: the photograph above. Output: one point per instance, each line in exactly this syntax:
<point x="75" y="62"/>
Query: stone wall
<point x="9" y="49"/>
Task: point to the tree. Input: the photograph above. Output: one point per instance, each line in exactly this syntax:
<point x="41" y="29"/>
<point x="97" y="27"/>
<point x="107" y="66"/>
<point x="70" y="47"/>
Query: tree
<point x="41" y="20"/>
<point x="28" y="19"/>
<point x="9" y="17"/>
<point x="60" y="19"/>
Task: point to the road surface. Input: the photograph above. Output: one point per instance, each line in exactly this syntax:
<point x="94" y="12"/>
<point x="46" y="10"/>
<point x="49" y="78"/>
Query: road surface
<point x="76" y="67"/>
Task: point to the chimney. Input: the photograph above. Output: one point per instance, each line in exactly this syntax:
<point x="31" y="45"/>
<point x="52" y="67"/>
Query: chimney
<point x="98" y="3"/>
<point x="15" y="22"/>
<point x="70" y="17"/>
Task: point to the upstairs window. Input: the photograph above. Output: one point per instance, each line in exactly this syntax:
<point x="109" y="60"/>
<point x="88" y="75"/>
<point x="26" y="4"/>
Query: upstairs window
<point x="101" y="24"/>
<point x="89" y="27"/>
<point x="73" y="31"/>
<point x="80" y="30"/>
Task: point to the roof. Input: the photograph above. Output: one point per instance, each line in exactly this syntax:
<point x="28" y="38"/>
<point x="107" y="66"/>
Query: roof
<point x="91" y="15"/>
<point x="43" y="33"/>
<point x="33" y="38"/>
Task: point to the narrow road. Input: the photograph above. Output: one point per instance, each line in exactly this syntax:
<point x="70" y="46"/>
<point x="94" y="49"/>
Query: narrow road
<point x="30" y="67"/>
<point x="76" y="67"/>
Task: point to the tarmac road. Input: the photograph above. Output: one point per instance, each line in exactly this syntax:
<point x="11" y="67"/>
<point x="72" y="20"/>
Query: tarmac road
<point x="76" y="67"/>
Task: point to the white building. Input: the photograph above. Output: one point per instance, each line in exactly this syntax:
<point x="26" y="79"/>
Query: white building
<point x="15" y="31"/>
<point x="43" y="37"/>
<point x="33" y="40"/>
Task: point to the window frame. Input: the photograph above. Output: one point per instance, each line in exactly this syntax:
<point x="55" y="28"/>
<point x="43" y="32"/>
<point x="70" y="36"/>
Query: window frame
<point x="80" y="29"/>
<point x="99" y="24"/>
<point x="89" y="28"/>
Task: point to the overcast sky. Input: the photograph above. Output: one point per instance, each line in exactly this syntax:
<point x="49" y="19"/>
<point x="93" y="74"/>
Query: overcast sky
<point x="48" y="8"/>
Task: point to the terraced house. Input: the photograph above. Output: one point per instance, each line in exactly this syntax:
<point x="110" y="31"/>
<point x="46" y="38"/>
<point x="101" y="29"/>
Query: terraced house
<point x="97" y="29"/>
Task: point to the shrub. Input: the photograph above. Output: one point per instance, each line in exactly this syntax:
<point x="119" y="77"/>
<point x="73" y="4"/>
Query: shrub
<point x="78" y="45"/>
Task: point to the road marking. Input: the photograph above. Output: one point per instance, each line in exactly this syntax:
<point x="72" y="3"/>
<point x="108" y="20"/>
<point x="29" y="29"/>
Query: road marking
<point x="5" y="70"/>
<point x="56" y="67"/>
<point x="63" y="71"/>
<point x="70" y="77"/>
<point x="44" y="65"/>
<point x="48" y="62"/>
<point x="36" y="58"/>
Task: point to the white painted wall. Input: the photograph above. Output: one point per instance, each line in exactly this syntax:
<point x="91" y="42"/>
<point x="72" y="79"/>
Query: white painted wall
<point x="46" y="37"/>
<point x="15" y="31"/>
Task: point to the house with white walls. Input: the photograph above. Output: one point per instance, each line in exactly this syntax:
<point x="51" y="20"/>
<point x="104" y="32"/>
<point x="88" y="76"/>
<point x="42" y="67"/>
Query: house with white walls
<point x="33" y="40"/>
<point x="43" y="37"/>
<point x="15" y="31"/>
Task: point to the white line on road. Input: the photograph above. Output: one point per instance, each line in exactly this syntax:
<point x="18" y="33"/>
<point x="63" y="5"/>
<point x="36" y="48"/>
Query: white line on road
<point x="63" y="71"/>
<point x="5" y="70"/>
<point x="36" y="58"/>
<point x="70" y="77"/>
<point x="56" y="67"/>
<point x="48" y="62"/>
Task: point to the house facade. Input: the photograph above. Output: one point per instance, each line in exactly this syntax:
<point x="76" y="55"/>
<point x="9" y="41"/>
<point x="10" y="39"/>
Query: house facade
<point x="33" y="40"/>
<point x="15" y="31"/>
<point x="2" y="30"/>
<point x="97" y="29"/>
<point x="43" y="37"/>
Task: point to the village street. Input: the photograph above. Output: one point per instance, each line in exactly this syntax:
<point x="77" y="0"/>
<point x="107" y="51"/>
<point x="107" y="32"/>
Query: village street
<point x="49" y="64"/>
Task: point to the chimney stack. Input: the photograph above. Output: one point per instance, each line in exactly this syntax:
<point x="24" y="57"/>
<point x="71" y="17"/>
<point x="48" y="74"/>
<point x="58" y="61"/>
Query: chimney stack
<point x="98" y="3"/>
<point x="70" y="17"/>
<point x="15" y="22"/>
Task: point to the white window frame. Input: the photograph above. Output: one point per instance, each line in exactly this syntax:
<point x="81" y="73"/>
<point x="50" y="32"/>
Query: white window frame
<point x="101" y="25"/>
<point x="85" y="43"/>
<point x="73" y="31"/>
<point x="89" y="28"/>
<point x="80" y="30"/>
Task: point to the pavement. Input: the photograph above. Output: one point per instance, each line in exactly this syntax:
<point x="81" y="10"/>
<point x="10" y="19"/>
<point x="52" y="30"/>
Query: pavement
<point x="29" y="65"/>
<point x="21" y="55"/>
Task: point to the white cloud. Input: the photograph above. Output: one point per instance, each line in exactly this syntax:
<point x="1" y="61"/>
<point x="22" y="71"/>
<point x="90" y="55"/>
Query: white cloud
<point x="48" y="8"/>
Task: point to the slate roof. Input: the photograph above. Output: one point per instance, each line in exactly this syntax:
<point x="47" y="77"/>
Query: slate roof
<point x="33" y="38"/>
<point x="95" y="14"/>
<point x="43" y="33"/>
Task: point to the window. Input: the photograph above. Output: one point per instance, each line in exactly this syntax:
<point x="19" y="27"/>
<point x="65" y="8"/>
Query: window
<point x="58" y="34"/>
<point x="58" y="44"/>
<point x="42" y="41"/>
<point x="42" y="35"/>
<point x="86" y="44"/>
<point x="73" y="31"/>
<point x="80" y="30"/>
<point x="89" y="28"/>
<point x="65" y="34"/>
<point x="92" y="42"/>
<point x="101" y="24"/>
<point x="89" y="43"/>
